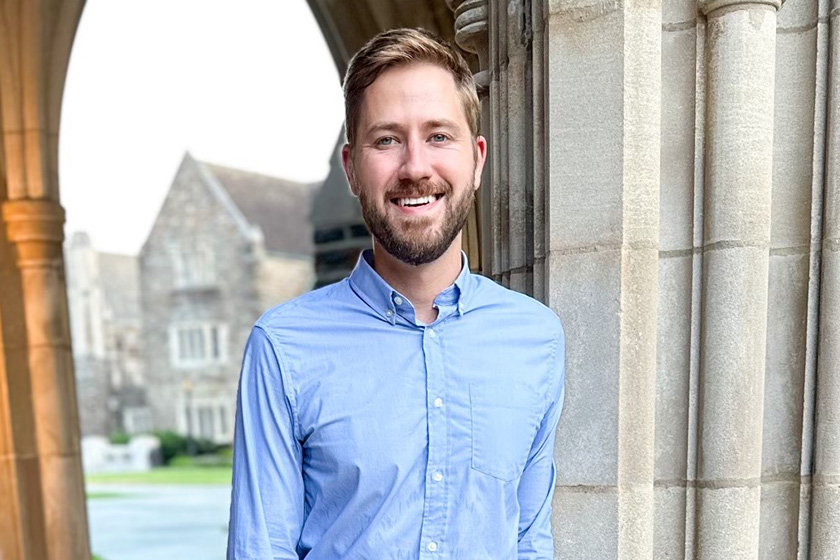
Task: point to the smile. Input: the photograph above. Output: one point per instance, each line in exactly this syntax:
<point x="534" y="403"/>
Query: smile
<point x="414" y="202"/>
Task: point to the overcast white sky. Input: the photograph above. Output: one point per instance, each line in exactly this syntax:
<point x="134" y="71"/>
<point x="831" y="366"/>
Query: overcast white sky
<point x="247" y="84"/>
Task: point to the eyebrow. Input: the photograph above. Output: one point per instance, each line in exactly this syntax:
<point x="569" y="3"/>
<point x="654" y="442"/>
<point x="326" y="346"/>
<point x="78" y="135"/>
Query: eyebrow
<point x="434" y="123"/>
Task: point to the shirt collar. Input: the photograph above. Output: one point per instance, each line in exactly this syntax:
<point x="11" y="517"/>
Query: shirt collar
<point x="387" y="302"/>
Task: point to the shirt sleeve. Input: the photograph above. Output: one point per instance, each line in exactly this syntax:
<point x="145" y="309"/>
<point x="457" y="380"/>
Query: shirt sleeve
<point x="536" y="486"/>
<point x="267" y="498"/>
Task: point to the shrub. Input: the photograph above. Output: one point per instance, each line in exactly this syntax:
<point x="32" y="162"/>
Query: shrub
<point x="119" y="438"/>
<point x="173" y="445"/>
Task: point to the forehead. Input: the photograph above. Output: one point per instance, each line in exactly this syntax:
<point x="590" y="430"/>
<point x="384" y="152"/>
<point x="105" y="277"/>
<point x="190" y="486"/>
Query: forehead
<point x="412" y="91"/>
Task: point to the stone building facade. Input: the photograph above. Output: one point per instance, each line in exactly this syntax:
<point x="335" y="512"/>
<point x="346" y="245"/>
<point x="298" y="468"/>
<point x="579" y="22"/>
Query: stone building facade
<point x="103" y="292"/>
<point x="226" y="246"/>
<point x="664" y="174"/>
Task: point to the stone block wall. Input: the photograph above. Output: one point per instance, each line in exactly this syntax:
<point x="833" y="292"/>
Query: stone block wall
<point x="191" y="215"/>
<point x="664" y="174"/>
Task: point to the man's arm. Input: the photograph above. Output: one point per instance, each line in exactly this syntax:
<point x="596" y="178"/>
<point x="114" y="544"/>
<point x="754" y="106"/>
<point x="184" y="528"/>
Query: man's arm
<point x="266" y="512"/>
<point x="536" y="486"/>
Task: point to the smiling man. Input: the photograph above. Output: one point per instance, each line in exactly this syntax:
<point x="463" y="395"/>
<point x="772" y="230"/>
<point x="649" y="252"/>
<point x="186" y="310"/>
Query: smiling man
<point x="408" y="411"/>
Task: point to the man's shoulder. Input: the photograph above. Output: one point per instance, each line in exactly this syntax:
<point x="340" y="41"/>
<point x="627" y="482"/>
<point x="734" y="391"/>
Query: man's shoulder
<point x="304" y="308"/>
<point x="495" y="298"/>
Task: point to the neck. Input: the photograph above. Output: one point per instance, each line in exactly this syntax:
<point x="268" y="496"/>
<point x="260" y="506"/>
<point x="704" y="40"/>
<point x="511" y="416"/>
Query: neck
<point x="420" y="283"/>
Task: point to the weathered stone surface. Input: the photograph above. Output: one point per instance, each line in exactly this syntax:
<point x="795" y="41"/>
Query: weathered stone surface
<point x="797" y="16"/>
<point x="728" y="522"/>
<point x="669" y="534"/>
<point x="825" y="507"/>
<point x="784" y="380"/>
<point x="587" y="439"/>
<point x="678" y="13"/>
<point x="584" y="100"/>
<point x="62" y="490"/>
<point x="825" y="520"/>
<point x="595" y="538"/>
<point x="673" y="366"/>
<point x="779" y="519"/>
<point x="676" y="212"/>
<point x="735" y="307"/>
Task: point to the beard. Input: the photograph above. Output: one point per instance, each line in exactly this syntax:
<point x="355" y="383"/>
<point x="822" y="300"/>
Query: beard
<point x="415" y="240"/>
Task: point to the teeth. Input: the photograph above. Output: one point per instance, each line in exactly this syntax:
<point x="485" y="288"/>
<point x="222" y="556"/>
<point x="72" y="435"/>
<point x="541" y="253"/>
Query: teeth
<point x="415" y="201"/>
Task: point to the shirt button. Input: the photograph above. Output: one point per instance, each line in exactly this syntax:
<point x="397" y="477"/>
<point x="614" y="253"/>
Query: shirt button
<point x="398" y="300"/>
<point x="432" y="333"/>
<point x="432" y="546"/>
<point x="389" y="313"/>
<point x="438" y="402"/>
<point x="437" y="477"/>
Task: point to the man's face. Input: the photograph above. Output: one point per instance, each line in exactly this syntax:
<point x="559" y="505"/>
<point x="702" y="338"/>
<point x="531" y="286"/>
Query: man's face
<point x="415" y="165"/>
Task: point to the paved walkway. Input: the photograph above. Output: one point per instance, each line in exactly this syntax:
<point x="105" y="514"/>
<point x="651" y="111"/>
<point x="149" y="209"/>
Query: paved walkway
<point x="162" y="522"/>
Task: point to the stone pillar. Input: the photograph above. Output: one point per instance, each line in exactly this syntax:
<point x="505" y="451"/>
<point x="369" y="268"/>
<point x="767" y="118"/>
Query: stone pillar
<point x="783" y="489"/>
<point x="739" y="162"/>
<point x="602" y="79"/>
<point x="41" y="434"/>
<point x="679" y="266"/>
<point x="471" y="35"/>
<point x="22" y="526"/>
<point x="513" y="67"/>
<point x="501" y="34"/>
<point x="36" y="230"/>
<point x="825" y="507"/>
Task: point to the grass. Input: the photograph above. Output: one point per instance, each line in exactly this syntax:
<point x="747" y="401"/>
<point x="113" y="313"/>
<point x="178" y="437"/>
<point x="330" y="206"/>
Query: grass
<point x="103" y="495"/>
<point x="167" y="475"/>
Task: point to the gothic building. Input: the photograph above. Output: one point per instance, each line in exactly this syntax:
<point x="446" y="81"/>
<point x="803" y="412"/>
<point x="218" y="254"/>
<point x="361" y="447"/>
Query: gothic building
<point x="225" y="246"/>
<point x="103" y="293"/>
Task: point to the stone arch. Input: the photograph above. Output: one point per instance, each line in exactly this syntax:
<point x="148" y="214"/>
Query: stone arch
<point x="42" y="513"/>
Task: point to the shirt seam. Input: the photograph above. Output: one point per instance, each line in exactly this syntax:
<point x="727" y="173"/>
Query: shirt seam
<point x="552" y="372"/>
<point x="289" y="388"/>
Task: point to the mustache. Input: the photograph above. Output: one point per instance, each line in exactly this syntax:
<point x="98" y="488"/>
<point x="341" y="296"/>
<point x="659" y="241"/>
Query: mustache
<point x="417" y="189"/>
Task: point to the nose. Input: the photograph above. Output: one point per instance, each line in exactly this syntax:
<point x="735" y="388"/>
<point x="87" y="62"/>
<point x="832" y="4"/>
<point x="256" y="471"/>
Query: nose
<point x="415" y="165"/>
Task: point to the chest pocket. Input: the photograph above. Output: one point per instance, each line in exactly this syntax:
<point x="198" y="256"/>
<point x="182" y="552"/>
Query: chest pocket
<point x="503" y="429"/>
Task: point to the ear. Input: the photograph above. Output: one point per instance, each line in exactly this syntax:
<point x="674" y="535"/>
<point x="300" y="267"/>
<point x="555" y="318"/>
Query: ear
<point x="347" y="163"/>
<point x="480" y="157"/>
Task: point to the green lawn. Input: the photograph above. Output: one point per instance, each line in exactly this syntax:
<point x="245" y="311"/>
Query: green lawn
<point x="167" y="475"/>
<point x="102" y="495"/>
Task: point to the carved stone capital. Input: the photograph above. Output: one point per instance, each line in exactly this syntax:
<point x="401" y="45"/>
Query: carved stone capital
<point x="36" y="228"/>
<point x="471" y="25"/>
<point x="707" y="7"/>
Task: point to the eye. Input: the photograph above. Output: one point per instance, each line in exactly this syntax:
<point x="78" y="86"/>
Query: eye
<point x="386" y="141"/>
<point x="439" y="137"/>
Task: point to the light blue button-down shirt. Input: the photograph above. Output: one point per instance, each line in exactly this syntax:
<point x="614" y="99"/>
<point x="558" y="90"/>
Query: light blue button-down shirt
<point x="362" y="433"/>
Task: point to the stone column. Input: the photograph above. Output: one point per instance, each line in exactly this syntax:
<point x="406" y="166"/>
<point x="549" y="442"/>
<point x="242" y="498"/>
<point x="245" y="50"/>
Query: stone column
<point x="825" y="506"/>
<point x="602" y="76"/>
<point x="46" y="477"/>
<point x="36" y="230"/>
<point x="741" y="41"/>
<point x="22" y="525"/>
<point x="516" y="139"/>
<point x="471" y="35"/>
<point x="679" y="264"/>
<point x="791" y="259"/>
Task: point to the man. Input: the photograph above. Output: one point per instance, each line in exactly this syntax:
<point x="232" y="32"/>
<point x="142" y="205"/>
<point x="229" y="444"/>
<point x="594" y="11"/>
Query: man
<point x="408" y="411"/>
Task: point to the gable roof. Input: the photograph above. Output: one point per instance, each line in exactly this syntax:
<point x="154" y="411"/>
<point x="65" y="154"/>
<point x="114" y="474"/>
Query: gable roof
<point x="280" y="208"/>
<point x="334" y="204"/>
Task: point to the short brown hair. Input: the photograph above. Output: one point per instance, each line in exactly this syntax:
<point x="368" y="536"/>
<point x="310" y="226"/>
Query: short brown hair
<point x="397" y="47"/>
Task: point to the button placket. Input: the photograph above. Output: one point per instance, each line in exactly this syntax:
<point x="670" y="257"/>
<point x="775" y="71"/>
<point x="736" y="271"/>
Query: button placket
<point x="436" y="491"/>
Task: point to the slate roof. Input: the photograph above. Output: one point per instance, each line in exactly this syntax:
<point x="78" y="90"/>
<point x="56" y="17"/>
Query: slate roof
<point x="280" y="208"/>
<point x="334" y="204"/>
